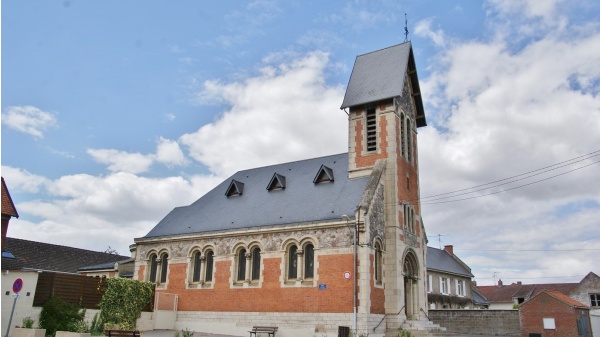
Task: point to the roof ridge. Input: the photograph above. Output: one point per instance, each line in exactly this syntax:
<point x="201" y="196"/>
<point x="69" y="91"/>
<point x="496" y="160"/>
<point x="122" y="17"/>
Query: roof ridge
<point x="381" y="49"/>
<point x="287" y="163"/>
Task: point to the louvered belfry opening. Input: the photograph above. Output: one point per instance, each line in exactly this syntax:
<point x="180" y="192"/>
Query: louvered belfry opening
<point x="371" y="129"/>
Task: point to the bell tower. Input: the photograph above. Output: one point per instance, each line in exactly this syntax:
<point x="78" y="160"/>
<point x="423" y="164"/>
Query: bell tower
<point x="385" y="109"/>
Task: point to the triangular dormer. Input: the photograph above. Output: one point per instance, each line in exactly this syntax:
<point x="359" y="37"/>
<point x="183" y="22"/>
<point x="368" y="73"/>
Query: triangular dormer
<point x="277" y="182"/>
<point x="325" y="174"/>
<point x="235" y="188"/>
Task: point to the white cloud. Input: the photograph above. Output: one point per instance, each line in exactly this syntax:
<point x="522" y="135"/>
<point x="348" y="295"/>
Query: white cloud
<point x="287" y="112"/>
<point x="168" y="152"/>
<point x="86" y="211"/>
<point x="23" y="180"/>
<point x="29" y="119"/>
<point x="121" y="161"/>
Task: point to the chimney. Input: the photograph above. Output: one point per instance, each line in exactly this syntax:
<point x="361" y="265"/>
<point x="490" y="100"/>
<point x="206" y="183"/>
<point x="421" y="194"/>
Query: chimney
<point x="519" y="283"/>
<point x="500" y="284"/>
<point x="449" y="249"/>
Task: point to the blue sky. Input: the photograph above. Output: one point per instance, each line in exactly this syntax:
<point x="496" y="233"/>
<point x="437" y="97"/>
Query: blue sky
<point x="115" y="112"/>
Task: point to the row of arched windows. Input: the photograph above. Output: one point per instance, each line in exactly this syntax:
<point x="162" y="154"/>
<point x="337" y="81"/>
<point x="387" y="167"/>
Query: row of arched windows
<point x="409" y="218"/>
<point x="299" y="257"/>
<point x="300" y="264"/>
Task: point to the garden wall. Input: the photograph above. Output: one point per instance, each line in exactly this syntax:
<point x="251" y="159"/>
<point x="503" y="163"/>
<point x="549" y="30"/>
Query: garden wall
<point x="482" y="322"/>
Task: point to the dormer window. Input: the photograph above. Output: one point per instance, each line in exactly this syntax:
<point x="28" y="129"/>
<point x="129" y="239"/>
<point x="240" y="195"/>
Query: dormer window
<point x="235" y="188"/>
<point x="325" y="174"/>
<point x="277" y="182"/>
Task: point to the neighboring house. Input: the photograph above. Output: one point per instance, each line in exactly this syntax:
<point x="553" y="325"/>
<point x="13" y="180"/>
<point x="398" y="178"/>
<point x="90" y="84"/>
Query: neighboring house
<point x="501" y="296"/>
<point x="30" y="259"/>
<point x="448" y="280"/>
<point x="551" y="313"/>
<point x="275" y="245"/>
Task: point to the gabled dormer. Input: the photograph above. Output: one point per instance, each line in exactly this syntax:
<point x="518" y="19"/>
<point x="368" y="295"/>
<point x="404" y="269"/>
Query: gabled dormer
<point x="235" y="188"/>
<point x="325" y="174"/>
<point x="277" y="182"/>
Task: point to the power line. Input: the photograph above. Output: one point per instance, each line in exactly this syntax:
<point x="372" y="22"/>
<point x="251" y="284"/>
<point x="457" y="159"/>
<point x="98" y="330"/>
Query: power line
<point x="528" y="250"/>
<point x="510" y="180"/>
<point x="543" y="169"/>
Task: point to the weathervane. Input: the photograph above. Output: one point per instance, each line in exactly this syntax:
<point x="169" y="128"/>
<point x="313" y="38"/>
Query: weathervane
<point x="405" y="28"/>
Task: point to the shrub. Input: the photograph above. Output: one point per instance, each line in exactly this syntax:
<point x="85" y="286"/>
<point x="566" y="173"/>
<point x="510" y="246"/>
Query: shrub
<point x="58" y="315"/>
<point x="27" y="323"/>
<point x="123" y="301"/>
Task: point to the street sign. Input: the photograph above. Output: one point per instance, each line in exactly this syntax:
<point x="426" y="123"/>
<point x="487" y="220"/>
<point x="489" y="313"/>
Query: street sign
<point x="17" y="285"/>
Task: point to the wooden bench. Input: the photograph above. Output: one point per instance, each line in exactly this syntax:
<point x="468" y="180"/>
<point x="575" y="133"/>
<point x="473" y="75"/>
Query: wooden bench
<point x="122" y="333"/>
<point x="269" y="330"/>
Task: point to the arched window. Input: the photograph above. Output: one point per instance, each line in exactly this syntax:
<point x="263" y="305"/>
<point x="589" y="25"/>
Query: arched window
<point x="378" y="263"/>
<point x="241" y="272"/>
<point x="197" y="267"/>
<point x="255" y="264"/>
<point x="153" y="268"/>
<point x="408" y="141"/>
<point x="164" y="267"/>
<point x="209" y="266"/>
<point x="292" y="262"/>
<point x="309" y="261"/>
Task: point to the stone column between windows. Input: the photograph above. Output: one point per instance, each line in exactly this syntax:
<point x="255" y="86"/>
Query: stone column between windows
<point x="158" y="270"/>
<point x="202" y="269"/>
<point x="300" y="265"/>
<point x="248" y="266"/>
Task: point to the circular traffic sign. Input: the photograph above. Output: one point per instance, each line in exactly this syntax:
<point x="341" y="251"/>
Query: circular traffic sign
<point x="18" y="285"/>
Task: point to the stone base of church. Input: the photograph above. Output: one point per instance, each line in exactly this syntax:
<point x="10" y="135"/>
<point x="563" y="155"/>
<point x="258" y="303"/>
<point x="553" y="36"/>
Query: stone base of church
<point x="290" y="324"/>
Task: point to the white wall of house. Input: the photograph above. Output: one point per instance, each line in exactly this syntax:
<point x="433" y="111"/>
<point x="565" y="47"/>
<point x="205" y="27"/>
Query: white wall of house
<point x="501" y="306"/>
<point x="23" y="304"/>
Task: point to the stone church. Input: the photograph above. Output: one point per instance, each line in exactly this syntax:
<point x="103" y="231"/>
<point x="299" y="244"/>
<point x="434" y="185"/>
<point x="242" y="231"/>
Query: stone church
<point x="312" y="245"/>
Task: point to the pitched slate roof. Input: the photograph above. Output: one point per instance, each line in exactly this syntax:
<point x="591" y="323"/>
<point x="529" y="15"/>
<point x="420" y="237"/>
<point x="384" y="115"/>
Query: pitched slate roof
<point x="440" y="260"/>
<point x="381" y="74"/>
<point x="302" y="200"/>
<point x="8" y="207"/>
<point x="32" y="255"/>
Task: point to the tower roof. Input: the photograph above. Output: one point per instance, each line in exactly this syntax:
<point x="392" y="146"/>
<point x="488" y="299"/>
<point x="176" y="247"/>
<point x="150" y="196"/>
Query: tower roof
<point x="381" y="75"/>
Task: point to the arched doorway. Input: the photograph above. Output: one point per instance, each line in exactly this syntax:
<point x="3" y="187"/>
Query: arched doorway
<point x="410" y="270"/>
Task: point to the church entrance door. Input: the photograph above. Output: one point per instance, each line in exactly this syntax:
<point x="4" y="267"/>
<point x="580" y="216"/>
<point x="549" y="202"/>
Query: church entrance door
<point x="411" y="286"/>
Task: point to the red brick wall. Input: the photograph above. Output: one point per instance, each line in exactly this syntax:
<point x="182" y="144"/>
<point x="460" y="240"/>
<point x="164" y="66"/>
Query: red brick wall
<point x="545" y="306"/>
<point x="271" y="296"/>
<point x="370" y="159"/>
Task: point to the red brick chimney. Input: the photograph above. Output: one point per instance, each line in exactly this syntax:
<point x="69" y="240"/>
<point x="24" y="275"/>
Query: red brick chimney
<point x="449" y="249"/>
<point x="500" y="284"/>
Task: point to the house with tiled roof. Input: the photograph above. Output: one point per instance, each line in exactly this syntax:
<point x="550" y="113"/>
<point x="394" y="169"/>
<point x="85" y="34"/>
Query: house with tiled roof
<point x="313" y="244"/>
<point x="501" y="296"/>
<point x="552" y="313"/>
<point x="449" y="283"/>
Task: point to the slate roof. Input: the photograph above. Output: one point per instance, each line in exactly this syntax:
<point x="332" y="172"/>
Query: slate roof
<point x="301" y="201"/>
<point x="103" y="266"/>
<point x="478" y="298"/>
<point x="8" y="207"/>
<point x="440" y="260"/>
<point x="506" y="293"/>
<point x="32" y="255"/>
<point x="380" y="75"/>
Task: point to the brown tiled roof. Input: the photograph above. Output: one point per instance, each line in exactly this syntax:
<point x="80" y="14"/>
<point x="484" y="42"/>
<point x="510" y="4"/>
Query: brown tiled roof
<point x="506" y="293"/>
<point x="8" y="207"/>
<point x="565" y="298"/>
<point x="44" y="256"/>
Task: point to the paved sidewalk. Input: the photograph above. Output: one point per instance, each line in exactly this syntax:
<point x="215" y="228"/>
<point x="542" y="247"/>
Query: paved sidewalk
<point x="171" y="333"/>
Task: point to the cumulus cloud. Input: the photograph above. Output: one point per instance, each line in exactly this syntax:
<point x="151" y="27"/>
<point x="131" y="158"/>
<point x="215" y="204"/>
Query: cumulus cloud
<point x="29" y="119"/>
<point x="289" y="101"/>
<point x="168" y="152"/>
<point x="85" y="211"/>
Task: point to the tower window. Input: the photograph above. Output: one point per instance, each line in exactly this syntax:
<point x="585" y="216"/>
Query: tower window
<point x="371" y="129"/>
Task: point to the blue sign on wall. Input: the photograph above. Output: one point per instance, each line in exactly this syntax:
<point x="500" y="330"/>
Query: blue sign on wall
<point x="322" y="286"/>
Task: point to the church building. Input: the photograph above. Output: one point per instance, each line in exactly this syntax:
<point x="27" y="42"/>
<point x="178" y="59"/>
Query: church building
<point x="312" y="245"/>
